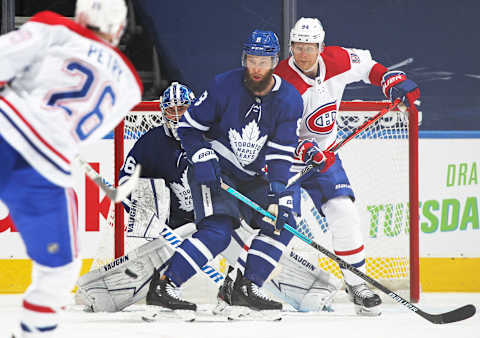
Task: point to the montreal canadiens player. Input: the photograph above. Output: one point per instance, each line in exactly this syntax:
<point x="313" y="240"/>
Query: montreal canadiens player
<point x="320" y="73"/>
<point x="64" y="84"/>
<point x="246" y="119"/>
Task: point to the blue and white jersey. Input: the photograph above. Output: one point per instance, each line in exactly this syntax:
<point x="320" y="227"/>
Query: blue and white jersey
<point x="246" y="132"/>
<point x="161" y="156"/>
<point x="65" y="87"/>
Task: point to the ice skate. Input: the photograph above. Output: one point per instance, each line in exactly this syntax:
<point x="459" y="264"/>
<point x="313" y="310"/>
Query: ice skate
<point x="367" y="303"/>
<point x="247" y="295"/>
<point x="224" y="297"/>
<point x="163" y="293"/>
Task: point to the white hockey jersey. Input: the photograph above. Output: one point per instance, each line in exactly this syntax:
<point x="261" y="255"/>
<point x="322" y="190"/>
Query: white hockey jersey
<point x="322" y="96"/>
<point x="66" y="87"/>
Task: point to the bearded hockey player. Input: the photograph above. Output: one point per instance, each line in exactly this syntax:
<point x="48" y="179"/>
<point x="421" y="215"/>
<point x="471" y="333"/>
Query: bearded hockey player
<point x="247" y="118"/>
<point x="320" y="74"/>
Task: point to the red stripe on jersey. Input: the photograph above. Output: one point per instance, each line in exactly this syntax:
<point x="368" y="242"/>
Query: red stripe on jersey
<point x="53" y="150"/>
<point x="51" y="18"/>
<point x="37" y="308"/>
<point x="246" y="247"/>
<point x="336" y="60"/>
<point x="376" y="74"/>
<point x="349" y="252"/>
<point x="73" y="211"/>
<point x="288" y="74"/>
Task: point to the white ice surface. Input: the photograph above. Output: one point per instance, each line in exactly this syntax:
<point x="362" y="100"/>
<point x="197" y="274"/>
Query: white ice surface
<point x="395" y="322"/>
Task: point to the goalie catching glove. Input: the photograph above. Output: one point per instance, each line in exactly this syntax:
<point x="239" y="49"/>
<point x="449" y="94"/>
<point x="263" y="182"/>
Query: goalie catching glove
<point x="308" y="152"/>
<point x="396" y="85"/>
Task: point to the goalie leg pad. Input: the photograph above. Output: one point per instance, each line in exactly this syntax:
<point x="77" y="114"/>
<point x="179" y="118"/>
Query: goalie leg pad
<point x="301" y="284"/>
<point x="123" y="282"/>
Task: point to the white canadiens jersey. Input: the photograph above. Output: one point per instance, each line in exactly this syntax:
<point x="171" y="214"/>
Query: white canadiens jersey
<point x="322" y="96"/>
<point x="66" y="87"/>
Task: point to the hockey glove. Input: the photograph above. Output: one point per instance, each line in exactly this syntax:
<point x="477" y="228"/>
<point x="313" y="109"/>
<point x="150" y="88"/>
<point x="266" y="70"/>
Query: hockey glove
<point x="308" y="152"/>
<point x="206" y="169"/>
<point x="396" y="85"/>
<point x="280" y="205"/>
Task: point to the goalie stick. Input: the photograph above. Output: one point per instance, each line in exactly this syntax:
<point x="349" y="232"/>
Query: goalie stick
<point x="334" y="148"/>
<point x="456" y="315"/>
<point x="117" y="194"/>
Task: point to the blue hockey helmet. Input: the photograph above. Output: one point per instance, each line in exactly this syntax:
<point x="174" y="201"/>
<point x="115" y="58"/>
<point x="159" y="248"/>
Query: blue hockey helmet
<point x="173" y="103"/>
<point x="262" y="43"/>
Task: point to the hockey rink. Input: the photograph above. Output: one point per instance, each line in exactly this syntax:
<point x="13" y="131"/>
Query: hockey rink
<point x="395" y="322"/>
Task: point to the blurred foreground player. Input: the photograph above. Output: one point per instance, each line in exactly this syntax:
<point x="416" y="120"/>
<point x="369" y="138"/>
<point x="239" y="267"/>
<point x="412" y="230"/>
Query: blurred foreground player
<point x="64" y="85"/>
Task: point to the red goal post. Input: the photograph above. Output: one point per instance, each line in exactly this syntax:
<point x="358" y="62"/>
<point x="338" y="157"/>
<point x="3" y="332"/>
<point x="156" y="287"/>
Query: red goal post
<point x="396" y="130"/>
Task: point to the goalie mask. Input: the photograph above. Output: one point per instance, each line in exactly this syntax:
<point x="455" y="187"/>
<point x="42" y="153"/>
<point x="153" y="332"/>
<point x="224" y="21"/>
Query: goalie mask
<point x="105" y="16"/>
<point x="175" y="101"/>
<point x="261" y="43"/>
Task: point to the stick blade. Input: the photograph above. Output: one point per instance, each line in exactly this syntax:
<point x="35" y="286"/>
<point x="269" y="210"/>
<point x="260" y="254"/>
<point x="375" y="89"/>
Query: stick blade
<point x="453" y="316"/>
<point x="459" y="314"/>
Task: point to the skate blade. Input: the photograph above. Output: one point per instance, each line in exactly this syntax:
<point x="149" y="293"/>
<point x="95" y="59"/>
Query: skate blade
<point x="246" y="314"/>
<point x="222" y="308"/>
<point x="368" y="312"/>
<point x="156" y="313"/>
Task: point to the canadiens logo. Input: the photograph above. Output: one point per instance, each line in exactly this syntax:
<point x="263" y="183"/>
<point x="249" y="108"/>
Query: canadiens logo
<point x="355" y="58"/>
<point x="322" y="119"/>
<point x="248" y="145"/>
<point x="182" y="191"/>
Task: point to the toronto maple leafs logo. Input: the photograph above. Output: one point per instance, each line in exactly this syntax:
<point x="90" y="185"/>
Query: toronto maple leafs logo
<point x="182" y="191"/>
<point x="248" y="145"/>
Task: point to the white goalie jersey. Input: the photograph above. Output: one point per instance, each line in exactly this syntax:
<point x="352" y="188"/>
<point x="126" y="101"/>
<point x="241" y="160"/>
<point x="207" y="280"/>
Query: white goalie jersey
<point x="65" y="87"/>
<point x="322" y="96"/>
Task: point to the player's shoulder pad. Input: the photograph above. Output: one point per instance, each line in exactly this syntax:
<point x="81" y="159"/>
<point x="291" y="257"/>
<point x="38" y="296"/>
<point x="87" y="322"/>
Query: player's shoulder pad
<point x="290" y="99"/>
<point x="224" y="84"/>
<point x="54" y="19"/>
<point x="337" y="61"/>
<point x="229" y="76"/>
<point x="286" y="72"/>
<point x="154" y="137"/>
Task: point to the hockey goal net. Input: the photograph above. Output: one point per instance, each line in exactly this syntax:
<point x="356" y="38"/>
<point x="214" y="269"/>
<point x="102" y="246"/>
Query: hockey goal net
<point x="382" y="165"/>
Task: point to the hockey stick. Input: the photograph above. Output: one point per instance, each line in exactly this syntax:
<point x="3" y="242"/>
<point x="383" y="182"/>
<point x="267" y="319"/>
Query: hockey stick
<point x="397" y="103"/>
<point x="456" y="315"/>
<point x="117" y="194"/>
